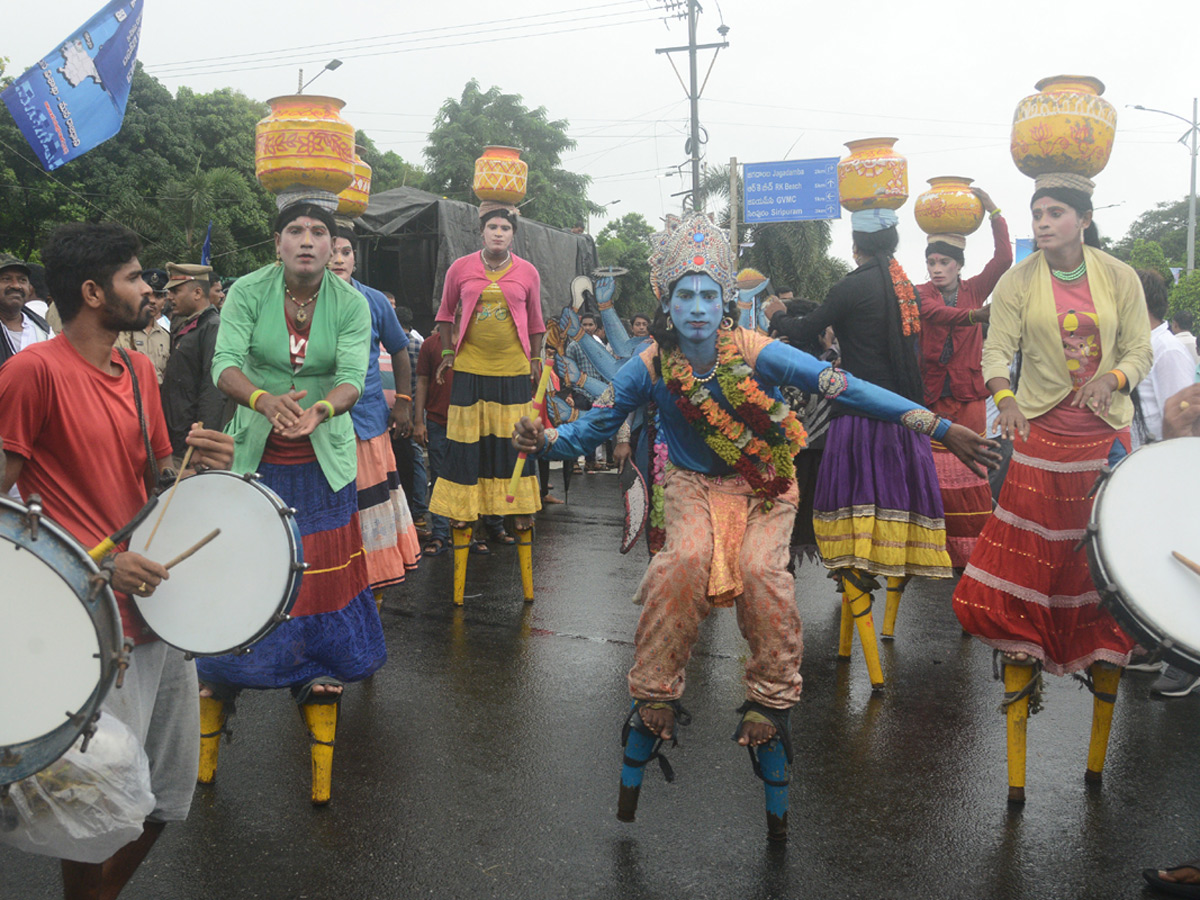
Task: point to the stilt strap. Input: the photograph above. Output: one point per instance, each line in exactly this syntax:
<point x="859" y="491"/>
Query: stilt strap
<point x="1032" y="688"/>
<point x="1085" y="679"/>
<point x="861" y="580"/>
<point x="634" y="721"/>
<point x="780" y="719"/>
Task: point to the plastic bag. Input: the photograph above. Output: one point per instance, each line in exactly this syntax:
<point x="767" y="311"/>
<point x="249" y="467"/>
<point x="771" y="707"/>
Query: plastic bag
<point x="84" y="806"/>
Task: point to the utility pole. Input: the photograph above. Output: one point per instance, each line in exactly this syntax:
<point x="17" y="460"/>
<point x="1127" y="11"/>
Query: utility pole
<point x="694" y="89"/>
<point x="1188" y="136"/>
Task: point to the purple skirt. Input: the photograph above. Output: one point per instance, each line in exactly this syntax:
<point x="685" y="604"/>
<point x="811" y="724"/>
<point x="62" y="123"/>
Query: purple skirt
<point x="877" y="505"/>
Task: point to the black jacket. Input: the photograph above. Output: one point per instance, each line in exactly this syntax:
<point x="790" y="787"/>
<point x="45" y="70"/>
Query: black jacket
<point x="188" y="392"/>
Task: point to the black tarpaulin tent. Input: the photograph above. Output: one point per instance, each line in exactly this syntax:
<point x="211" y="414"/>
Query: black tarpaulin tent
<point x="408" y="238"/>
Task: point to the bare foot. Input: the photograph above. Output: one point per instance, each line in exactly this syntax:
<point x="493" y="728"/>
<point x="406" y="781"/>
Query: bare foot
<point x="1018" y="657"/>
<point x="755" y="731"/>
<point x="326" y="690"/>
<point x="522" y="523"/>
<point x="205" y="691"/>
<point x="1188" y="874"/>
<point x="550" y="500"/>
<point x="660" y="721"/>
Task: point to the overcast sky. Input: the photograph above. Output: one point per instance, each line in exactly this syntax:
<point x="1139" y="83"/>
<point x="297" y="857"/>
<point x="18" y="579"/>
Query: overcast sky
<point x="797" y="81"/>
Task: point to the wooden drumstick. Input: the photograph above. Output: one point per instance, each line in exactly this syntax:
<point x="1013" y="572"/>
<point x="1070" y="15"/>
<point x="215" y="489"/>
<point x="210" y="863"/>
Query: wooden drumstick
<point x="1195" y="567"/>
<point x="539" y="403"/>
<point x="192" y="549"/>
<point x="187" y="458"/>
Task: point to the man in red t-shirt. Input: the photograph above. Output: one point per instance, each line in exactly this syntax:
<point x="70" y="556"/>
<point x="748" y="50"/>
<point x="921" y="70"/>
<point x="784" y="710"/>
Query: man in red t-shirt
<point x="71" y="434"/>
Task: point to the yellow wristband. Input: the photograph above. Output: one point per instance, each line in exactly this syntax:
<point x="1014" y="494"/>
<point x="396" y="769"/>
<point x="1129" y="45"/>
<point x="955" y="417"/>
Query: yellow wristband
<point x="254" y="399"/>
<point x="994" y="213"/>
<point x="1000" y="395"/>
<point x="1122" y="381"/>
<point x="332" y="411"/>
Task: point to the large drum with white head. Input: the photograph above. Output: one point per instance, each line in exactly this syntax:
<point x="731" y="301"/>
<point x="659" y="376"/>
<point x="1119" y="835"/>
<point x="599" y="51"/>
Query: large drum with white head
<point x="63" y="640"/>
<point x="234" y="590"/>
<point x="1147" y="508"/>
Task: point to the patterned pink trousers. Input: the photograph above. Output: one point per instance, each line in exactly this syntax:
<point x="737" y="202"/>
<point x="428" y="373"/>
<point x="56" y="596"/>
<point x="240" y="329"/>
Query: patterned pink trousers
<point x="752" y="541"/>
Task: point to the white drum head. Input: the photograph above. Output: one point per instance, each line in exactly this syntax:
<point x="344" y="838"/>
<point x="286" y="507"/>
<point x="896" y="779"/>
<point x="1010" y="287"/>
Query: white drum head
<point x="1149" y="507"/>
<point x="51" y="648"/>
<point x="222" y="597"/>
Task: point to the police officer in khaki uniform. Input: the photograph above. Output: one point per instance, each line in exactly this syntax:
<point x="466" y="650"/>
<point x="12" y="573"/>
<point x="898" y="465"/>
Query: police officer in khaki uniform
<point x="154" y="340"/>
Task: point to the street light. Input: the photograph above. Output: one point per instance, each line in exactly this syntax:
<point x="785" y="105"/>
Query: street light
<point x="1193" y="129"/>
<point x="329" y="67"/>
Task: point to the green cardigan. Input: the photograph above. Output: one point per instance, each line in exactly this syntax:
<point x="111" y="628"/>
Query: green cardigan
<point x="254" y="338"/>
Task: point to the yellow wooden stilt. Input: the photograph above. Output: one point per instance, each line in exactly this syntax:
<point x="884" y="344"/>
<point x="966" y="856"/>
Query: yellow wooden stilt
<point x="895" y="590"/>
<point x="1017" y="714"/>
<point x="525" y="558"/>
<point x="846" y="630"/>
<point x="321" y="719"/>
<point x="462" y="547"/>
<point x="860" y="609"/>
<point x="212" y="725"/>
<point x="1105" y="678"/>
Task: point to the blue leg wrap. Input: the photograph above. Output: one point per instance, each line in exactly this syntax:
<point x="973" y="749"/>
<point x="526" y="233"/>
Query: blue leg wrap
<point x="772" y="760"/>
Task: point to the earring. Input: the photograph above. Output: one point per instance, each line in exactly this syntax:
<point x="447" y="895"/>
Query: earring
<point x="670" y="325"/>
<point x="727" y="323"/>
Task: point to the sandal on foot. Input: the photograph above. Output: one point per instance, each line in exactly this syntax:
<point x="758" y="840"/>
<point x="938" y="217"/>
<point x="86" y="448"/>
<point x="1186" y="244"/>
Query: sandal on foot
<point x="303" y="693"/>
<point x="503" y="537"/>
<point x="435" y="547"/>
<point x="1176" y="888"/>
<point x="480" y="547"/>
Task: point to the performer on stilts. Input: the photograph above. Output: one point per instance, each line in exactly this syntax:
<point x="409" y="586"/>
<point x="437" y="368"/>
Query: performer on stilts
<point x="1079" y="318"/>
<point x="496" y="295"/>
<point x="389" y="535"/>
<point x="292" y="351"/>
<point x="952" y="320"/>
<point x="730" y="497"/>
<point x="877" y="510"/>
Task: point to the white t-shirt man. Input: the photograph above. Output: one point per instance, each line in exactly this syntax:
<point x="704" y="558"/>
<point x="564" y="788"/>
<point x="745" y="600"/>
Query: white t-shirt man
<point x="1172" y="372"/>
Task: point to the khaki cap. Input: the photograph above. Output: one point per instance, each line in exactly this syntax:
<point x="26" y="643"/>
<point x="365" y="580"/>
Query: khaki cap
<point x="181" y="273"/>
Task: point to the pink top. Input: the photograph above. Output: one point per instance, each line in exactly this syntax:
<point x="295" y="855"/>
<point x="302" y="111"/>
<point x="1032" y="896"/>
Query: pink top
<point x="1080" y="329"/>
<point x="522" y="286"/>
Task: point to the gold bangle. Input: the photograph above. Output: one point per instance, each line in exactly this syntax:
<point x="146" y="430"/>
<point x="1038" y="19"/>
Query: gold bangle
<point x="1000" y="395"/>
<point x="254" y="399"/>
<point x="970" y="317"/>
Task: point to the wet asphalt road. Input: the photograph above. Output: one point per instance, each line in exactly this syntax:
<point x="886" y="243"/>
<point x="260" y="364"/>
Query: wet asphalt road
<point x="482" y="761"/>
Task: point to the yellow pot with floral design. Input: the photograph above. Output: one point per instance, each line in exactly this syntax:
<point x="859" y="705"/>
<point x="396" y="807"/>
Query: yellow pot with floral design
<point x="949" y="206"/>
<point x="1065" y="127"/>
<point x="501" y="175"/>
<point x="873" y="176"/>
<point x="352" y="202"/>
<point x="304" y="141"/>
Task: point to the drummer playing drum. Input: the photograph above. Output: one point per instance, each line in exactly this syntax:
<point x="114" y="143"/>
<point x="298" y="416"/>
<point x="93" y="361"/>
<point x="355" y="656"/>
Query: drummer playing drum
<point x="72" y="427"/>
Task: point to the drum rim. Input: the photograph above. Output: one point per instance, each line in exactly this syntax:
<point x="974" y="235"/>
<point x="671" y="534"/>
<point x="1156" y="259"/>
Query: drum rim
<point x="292" y="588"/>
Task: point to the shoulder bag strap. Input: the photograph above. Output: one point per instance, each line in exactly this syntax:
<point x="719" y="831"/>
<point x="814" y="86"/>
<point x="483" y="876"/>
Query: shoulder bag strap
<point x="151" y="473"/>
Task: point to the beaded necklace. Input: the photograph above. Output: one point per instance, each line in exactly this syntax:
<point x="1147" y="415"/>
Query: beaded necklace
<point x="1073" y="275"/>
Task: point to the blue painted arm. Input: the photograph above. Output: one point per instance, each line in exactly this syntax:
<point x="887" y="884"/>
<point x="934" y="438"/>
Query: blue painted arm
<point x="631" y="388"/>
<point x="780" y="364"/>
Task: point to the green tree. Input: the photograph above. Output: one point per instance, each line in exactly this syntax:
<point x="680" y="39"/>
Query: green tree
<point x="1149" y="255"/>
<point x="1166" y="224"/>
<point x="795" y="254"/>
<point x="1186" y="294"/>
<point x="463" y="127"/>
<point x="624" y="242"/>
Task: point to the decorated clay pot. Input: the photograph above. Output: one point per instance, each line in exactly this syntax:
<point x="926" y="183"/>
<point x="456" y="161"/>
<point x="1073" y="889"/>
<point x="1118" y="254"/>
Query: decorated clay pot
<point x="352" y="202"/>
<point x="305" y="142"/>
<point x="949" y="207"/>
<point x="1067" y="127"/>
<point x="873" y="175"/>
<point x="500" y="175"/>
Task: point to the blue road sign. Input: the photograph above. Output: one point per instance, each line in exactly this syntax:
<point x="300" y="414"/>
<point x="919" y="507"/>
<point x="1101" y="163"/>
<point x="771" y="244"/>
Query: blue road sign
<point x="792" y="191"/>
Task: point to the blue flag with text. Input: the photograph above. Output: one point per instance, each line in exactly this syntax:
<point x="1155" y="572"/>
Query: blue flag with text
<point x="74" y="98"/>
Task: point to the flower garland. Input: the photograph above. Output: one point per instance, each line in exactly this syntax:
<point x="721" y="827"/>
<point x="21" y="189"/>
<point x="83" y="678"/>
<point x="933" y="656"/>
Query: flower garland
<point x="760" y="440"/>
<point x="910" y="311"/>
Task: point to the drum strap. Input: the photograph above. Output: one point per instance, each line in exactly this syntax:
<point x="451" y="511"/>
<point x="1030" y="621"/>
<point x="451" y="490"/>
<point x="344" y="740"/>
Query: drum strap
<point x="151" y="473"/>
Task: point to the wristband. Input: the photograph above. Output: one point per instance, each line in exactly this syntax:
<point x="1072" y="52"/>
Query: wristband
<point x="1000" y="395"/>
<point x="332" y="411"/>
<point x="970" y="317"/>
<point x="254" y="399"/>
<point x="447" y="352"/>
<point x="404" y="397"/>
<point x="940" y="429"/>
<point x="994" y="213"/>
<point x="1122" y="381"/>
